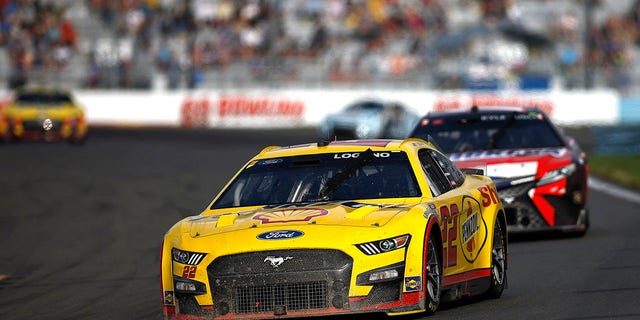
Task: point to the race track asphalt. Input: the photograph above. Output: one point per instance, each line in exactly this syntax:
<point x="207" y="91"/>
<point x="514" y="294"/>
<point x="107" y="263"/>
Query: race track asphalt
<point x="81" y="226"/>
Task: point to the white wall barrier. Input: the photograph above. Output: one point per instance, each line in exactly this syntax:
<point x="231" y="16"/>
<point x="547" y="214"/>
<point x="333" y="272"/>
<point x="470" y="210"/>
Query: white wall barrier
<point x="303" y="107"/>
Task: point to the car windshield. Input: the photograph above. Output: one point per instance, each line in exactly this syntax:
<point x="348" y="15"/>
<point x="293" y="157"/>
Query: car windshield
<point x="322" y="177"/>
<point x="42" y="98"/>
<point x="487" y="131"/>
<point x="366" y="106"/>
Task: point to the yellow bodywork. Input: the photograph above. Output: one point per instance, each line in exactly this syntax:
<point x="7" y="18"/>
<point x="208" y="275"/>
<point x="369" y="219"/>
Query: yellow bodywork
<point x="65" y="120"/>
<point x="464" y="218"/>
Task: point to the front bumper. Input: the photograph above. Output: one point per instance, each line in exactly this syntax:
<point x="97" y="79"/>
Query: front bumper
<point x="291" y="283"/>
<point x="531" y="208"/>
<point x="39" y="130"/>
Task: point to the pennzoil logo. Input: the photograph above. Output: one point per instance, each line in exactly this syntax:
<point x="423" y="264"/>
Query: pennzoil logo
<point x="469" y="228"/>
<point x="473" y="229"/>
<point x="294" y="215"/>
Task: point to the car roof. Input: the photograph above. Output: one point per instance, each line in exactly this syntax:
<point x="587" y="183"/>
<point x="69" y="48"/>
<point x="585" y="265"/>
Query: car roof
<point x="482" y="110"/>
<point x="43" y="89"/>
<point x="344" y="146"/>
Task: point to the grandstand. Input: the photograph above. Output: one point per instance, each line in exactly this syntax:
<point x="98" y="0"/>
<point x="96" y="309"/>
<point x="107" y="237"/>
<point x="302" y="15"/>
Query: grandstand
<point x="429" y="44"/>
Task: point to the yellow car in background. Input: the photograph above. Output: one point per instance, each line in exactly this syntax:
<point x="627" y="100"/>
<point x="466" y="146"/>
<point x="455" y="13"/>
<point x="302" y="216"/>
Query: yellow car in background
<point x="41" y="113"/>
<point x="359" y="226"/>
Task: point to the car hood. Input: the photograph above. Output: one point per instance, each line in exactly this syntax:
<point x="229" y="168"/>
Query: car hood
<point x="505" y="166"/>
<point x="348" y="214"/>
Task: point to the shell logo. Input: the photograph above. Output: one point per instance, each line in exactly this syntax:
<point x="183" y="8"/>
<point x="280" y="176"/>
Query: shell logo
<point x="293" y="215"/>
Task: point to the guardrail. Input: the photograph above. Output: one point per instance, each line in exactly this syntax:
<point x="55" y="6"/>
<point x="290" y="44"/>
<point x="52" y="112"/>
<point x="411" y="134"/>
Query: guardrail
<point x="613" y="122"/>
<point x="619" y="139"/>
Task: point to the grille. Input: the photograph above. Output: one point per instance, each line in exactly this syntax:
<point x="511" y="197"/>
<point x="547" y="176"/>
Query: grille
<point x="280" y="280"/>
<point x="295" y="296"/>
<point x="294" y="260"/>
<point x="36" y="125"/>
<point x="523" y="215"/>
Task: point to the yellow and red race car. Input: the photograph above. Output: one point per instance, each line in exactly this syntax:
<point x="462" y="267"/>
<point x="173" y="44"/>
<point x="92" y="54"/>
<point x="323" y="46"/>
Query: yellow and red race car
<point x="359" y="226"/>
<point x="43" y="113"/>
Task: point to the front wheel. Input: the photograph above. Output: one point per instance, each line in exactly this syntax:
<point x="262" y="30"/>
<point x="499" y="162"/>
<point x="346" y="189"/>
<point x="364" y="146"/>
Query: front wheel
<point x="498" y="262"/>
<point x="433" y="275"/>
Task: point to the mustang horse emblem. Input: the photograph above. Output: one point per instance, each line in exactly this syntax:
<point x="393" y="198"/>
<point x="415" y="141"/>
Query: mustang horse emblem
<point x="276" y="261"/>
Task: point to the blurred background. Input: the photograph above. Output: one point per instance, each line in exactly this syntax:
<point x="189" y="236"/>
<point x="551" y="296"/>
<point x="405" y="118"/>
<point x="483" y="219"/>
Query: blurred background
<point x="428" y="44"/>
<point x="277" y="63"/>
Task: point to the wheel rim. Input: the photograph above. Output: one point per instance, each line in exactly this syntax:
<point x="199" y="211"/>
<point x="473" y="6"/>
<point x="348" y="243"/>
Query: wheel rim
<point x="433" y="274"/>
<point x="497" y="255"/>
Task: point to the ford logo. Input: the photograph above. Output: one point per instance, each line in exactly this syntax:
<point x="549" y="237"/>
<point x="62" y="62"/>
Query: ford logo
<point x="280" y="235"/>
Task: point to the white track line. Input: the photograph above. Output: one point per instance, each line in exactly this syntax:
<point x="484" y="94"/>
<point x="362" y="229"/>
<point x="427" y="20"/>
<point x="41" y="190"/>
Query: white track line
<point x="614" y="190"/>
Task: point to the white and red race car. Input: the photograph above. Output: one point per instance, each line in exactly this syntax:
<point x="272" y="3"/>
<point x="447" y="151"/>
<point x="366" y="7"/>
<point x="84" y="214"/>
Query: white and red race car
<point x="540" y="174"/>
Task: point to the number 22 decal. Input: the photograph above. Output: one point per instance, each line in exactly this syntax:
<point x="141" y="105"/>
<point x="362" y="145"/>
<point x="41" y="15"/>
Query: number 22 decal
<point x="450" y="234"/>
<point x="189" y="272"/>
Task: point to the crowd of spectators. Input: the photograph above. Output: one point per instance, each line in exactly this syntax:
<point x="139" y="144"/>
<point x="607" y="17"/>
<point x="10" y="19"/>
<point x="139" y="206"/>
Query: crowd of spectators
<point x="272" y="36"/>
<point x="347" y="40"/>
<point x="37" y="36"/>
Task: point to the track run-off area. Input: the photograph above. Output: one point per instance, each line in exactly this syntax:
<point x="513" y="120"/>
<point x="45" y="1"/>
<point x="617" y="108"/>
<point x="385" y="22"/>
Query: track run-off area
<point x="81" y="227"/>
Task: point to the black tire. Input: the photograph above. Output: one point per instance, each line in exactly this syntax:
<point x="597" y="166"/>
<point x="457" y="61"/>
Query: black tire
<point x="433" y="275"/>
<point x="498" y="262"/>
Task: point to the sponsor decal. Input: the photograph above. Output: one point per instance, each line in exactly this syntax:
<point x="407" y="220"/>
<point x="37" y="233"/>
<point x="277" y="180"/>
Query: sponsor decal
<point x="270" y="161"/>
<point x="509" y="170"/>
<point x="196" y="111"/>
<point x="356" y="155"/>
<point x="169" y="298"/>
<point x="459" y="101"/>
<point x="294" y="215"/>
<point x="485" y="154"/>
<point x="470" y="227"/>
<point x="412" y="284"/>
<point x="297" y="146"/>
<point x="276" y="261"/>
<point x="189" y="272"/>
<point x="489" y="195"/>
<point x="364" y="143"/>
<point x="473" y="229"/>
<point x="431" y="209"/>
<point x="280" y="235"/>
<point x="232" y="105"/>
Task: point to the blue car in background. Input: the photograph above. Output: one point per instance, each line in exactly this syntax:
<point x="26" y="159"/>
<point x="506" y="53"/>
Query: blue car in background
<point x="369" y="119"/>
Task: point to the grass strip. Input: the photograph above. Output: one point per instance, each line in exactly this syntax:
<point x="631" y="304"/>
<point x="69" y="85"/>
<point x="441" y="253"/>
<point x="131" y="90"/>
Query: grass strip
<point x="621" y="169"/>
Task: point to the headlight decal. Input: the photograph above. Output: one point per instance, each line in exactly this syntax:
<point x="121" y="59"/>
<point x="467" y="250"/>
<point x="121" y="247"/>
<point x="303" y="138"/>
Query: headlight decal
<point x="368" y="248"/>
<point x="186" y="257"/>
<point x="557" y="174"/>
<point x="385" y="245"/>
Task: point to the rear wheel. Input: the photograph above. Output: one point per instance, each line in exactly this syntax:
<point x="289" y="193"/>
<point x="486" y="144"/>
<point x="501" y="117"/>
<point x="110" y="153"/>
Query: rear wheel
<point x="433" y="275"/>
<point x="498" y="262"/>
